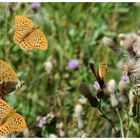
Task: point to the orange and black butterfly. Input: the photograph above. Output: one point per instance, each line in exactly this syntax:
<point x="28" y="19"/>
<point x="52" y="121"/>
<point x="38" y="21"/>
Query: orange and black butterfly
<point x="100" y="75"/>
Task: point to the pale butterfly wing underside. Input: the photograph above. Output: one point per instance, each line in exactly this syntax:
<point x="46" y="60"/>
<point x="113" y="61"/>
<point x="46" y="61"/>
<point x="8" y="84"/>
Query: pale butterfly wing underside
<point x="28" y="36"/>
<point x="102" y="69"/>
<point x="11" y="121"/>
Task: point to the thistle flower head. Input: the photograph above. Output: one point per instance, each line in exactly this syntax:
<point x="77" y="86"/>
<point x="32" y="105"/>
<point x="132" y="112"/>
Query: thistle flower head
<point x="35" y="5"/>
<point x="96" y="86"/>
<point x="73" y="64"/>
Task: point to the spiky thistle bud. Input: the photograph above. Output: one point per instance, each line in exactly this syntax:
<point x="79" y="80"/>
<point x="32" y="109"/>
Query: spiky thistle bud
<point x="111" y="44"/>
<point x="111" y="87"/>
<point x="114" y="100"/>
<point x="122" y="88"/>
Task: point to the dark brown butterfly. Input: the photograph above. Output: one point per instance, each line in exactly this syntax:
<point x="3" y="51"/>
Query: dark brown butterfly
<point x="100" y="75"/>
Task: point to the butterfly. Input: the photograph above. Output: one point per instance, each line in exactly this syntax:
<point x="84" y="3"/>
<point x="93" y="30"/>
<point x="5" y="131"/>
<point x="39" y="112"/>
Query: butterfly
<point x="9" y="80"/>
<point x="28" y="36"/>
<point x="10" y="121"/>
<point x="100" y="75"/>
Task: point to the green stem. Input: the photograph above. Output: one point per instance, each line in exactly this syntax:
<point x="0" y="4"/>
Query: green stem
<point x="109" y="120"/>
<point x="121" y="125"/>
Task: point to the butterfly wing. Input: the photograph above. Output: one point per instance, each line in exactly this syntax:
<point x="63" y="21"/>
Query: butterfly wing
<point x="5" y="111"/>
<point x="35" y="40"/>
<point x="15" y="123"/>
<point x="7" y="73"/>
<point x="7" y="87"/>
<point x="23" y="26"/>
<point x="93" y="69"/>
<point x="102" y="69"/>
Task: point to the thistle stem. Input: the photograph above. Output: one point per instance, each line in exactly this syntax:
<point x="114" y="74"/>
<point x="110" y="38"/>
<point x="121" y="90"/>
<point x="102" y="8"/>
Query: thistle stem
<point x="121" y="125"/>
<point x="108" y="119"/>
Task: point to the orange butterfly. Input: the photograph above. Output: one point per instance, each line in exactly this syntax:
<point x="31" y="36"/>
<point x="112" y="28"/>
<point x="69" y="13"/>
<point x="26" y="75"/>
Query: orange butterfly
<point x="9" y="80"/>
<point x="101" y="74"/>
<point x="28" y="36"/>
<point x="10" y="121"/>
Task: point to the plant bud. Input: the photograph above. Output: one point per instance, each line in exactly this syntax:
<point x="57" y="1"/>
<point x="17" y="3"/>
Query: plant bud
<point x="114" y="100"/>
<point x="108" y="42"/>
<point x="86" y="92"/>
<point x="111" y="86"/>
<point x="48" y="67"/>
<point x="78" y="111"/>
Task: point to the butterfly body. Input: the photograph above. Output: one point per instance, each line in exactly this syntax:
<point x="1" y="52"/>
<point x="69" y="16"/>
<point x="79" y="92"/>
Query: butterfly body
<point x="28" y="36"/>
<point x="10" y="121"/>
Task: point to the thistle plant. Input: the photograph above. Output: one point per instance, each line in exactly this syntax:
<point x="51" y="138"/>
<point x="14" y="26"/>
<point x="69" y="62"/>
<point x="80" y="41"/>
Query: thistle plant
<point x="120" y="95"/>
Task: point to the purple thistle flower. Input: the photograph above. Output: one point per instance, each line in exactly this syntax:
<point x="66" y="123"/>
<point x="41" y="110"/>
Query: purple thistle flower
<point x="73" y="64"/>
<point x="96" y="86"/>
<point x="125" y="78"/>
<point x="42" y="122"/>
<point x="36" y="5"/>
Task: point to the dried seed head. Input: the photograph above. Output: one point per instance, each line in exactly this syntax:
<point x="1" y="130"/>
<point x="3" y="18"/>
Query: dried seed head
<point x="127" y="40"/>
<point x="108" y="42"/>
<point x="113" y="99"/>
<point x="111" y="86"/>
<point x="129" y="67"/>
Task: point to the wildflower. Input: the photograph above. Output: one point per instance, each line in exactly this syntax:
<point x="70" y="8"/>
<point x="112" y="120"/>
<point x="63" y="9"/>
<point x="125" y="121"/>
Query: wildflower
<point x="73" y="64"/>
<point x="125" y="78"/>
<point x="96" y="86"/>
<point x="35" y="5"/>
<point x="42" y="122"/>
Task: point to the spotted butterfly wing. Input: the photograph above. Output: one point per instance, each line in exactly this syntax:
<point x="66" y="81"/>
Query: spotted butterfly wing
<point x="28" y="36"/>
<point x="9" y="80"/>
<point x="7" y="73"/>
<point x="10" y="120"/>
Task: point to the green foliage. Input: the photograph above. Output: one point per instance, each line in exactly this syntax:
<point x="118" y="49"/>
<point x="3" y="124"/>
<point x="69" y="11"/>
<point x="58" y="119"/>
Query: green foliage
<point x="74" y="31"/>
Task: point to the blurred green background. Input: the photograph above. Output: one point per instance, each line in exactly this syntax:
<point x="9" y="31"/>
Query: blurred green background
<point x="73" y="31"/>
